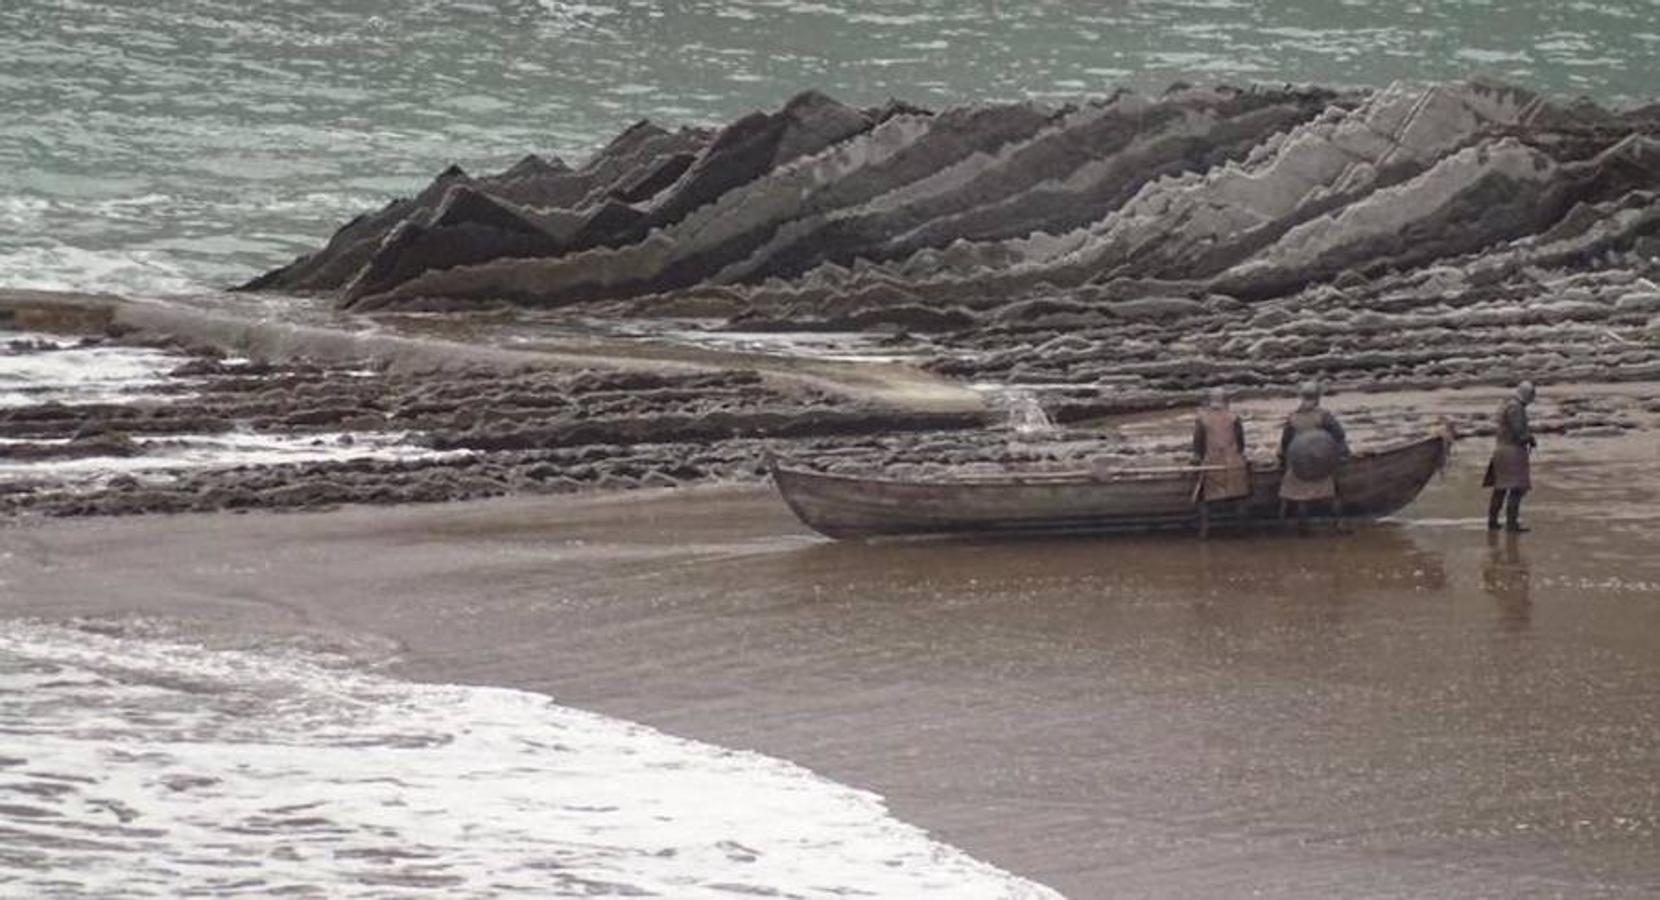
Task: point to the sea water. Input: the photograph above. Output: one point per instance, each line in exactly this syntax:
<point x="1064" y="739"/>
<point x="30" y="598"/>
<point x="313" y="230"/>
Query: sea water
<point x="39" y="369"/>
<point x="181" y="146"/>
<point x="134" y="763"/>
<point x="169" y="147"/>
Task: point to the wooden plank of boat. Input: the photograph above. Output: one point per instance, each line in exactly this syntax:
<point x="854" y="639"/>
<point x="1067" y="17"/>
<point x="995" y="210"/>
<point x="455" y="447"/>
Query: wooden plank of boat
<point x="1372" y="484"/>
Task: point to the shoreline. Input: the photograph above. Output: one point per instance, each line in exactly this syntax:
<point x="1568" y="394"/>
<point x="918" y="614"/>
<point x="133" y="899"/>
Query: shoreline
<point x="524" y="305"/>
<point x="474" y="418"/>
<point x="271" y="339"/>
<point x="392" y="412"/>
<point x="1032" y="702"/>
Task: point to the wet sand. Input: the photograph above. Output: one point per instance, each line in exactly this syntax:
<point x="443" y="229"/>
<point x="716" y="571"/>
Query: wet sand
<point x="1417" y="710"/>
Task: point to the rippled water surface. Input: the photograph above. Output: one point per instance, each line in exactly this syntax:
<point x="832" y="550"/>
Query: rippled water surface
<point x="132" y="765"/>
<point x="166" y="146"/>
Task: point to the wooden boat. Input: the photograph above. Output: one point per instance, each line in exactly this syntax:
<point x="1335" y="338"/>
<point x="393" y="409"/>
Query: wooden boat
<point x="1372" y="484"/>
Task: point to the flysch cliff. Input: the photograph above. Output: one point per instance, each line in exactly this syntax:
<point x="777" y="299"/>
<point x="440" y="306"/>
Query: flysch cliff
<point x="1410" y="234"/>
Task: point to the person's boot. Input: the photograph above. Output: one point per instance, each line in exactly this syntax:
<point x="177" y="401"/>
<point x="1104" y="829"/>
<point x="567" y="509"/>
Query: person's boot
<point x="1513" y="513"/>
<point x="1494" y="505"/>
<point x="1339" y="524"/>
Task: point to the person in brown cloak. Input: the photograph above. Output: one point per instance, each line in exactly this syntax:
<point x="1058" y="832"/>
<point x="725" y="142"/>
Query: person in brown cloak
<point x="1510" y="473"/>
<point x="1219" y="447"/>
<point x="1312" y="447"/>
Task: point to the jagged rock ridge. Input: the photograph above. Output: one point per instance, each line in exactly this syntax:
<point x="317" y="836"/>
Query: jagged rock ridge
<point x="820" y="209"/>
<point x="1016" y="231"/>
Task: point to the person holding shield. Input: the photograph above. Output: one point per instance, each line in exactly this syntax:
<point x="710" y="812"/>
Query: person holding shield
<point x="1312" y="447"/>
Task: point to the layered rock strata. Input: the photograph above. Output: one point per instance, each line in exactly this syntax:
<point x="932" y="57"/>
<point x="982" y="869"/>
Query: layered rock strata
<point x="549" y="431"/>
<point x="1408" y="235"/>
<point x="489" y="432"/>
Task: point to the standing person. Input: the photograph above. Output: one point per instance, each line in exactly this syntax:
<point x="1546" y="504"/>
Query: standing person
<point x="1219" y="446"/>
<point x="1312" y="446"/>
<point x="1510" y="474"/>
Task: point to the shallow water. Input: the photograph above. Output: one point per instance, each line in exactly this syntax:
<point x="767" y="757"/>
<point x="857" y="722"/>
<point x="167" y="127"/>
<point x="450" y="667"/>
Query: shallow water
<point x="166" y="148"/>
<point x="41" y="369"/>
<point x="159" y="459"/>
<point x="136" y="765"/>
<point x="1421" y="709"/>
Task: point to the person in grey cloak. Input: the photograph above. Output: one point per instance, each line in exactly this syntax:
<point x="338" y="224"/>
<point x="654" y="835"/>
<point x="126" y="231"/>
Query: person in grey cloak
<point x="1510" y="473"/>
<point x="1312" y="447"/>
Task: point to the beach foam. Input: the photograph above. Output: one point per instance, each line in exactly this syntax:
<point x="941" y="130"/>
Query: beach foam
<point x="63" y="370"/>
<point x="133" y="765"/>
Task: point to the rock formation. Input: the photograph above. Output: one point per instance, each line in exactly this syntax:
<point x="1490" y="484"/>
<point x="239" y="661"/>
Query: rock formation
<point x="1214" y="234"/>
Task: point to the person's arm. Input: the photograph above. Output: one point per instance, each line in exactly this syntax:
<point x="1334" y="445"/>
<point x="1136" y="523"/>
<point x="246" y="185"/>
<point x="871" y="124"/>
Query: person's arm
<point x="1198" y="441"/>
<point x="1286" y="434"/>
<point x="1335" y="429"/>
<point x="1515" y="416"/>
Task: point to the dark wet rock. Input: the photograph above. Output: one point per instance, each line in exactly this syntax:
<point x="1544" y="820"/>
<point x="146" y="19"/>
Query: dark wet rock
<point x="352" y="245"/>
<point x="540" y="431"/>
<point x="906" y="317"/>
<point x="1127" y="253"/>
<point x="756" y="144"/>
<point x="544" y="187"/>
<point x="99" y="442"/>
<point x="468" y="226"/>
<point x="646" y="184"/>
<point x="819" y="212"/>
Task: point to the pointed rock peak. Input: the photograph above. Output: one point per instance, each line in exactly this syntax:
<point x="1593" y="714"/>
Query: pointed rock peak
<point x="811" y="99"/>
<point x="626" y="142"/>
<point x="813" y="106"/>
<point x="464" y="204"/>
<point x="812" y="122"/>
<point x="532" y="166"/>
<point x="1118" y="94"/>
<point x="453" y="172"/>
<point x="643" y="128"/>
<point x="894" y="107"/>
<point x="740" y="130"/>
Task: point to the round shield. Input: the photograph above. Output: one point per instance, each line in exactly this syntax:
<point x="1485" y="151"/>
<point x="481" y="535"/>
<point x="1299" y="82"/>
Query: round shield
<point x="1313" y="455"/>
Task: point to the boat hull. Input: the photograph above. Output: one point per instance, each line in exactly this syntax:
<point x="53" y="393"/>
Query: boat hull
<point x="1372" y="484"/>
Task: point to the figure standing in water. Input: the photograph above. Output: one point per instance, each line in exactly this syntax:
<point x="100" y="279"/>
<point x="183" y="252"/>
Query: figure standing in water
<point x="1219" y="446"/>
<point x="1510" y="473"/>
<point x="1312" y="446"/>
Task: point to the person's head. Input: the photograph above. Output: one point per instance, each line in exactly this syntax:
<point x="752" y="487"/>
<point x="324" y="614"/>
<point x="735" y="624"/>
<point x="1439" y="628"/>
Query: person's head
<point x="1309" y="392"/>
<point x="1216" y="398"/>
<point x="1525" y="392"/>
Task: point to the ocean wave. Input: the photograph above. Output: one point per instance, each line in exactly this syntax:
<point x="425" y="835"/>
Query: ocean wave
<point x="139" y="765"/>
<point x="63" y="267"/>
<point x="269" y="125"/>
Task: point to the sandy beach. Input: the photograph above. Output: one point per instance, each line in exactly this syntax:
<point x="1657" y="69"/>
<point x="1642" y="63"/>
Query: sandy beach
<point x="1420" y="709"/>
<point x="511" y="433"/>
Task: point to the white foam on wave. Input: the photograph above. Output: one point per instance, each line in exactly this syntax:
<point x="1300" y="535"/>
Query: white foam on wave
<point x="58" y="266"/>
<point x="155" y="768"/>
<point x="68" y="372"/>
<point x="41" y="368"/>
<point x="162" y="458"/>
